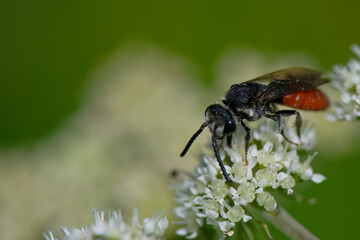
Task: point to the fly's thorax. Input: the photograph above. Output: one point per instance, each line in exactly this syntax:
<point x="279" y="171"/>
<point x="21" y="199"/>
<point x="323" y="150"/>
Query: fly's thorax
<point x="251" y="113"/>
<point x="222" y="121"/>
<point x="244" y="93"/>
<point x="242" y="100"/>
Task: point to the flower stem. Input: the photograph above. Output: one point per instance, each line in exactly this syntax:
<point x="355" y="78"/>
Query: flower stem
<point x="290" y="226"/>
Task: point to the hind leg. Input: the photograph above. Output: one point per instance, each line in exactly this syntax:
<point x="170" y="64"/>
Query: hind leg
<point x="286" y="113"/>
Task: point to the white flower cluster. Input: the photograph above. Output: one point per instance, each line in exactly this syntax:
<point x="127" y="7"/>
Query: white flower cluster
<point x="273" y="165"/>
<point x="115" y="228"/>
<point x="346" y="79"/>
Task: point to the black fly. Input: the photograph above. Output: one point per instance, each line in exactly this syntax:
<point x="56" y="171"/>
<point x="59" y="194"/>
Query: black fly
<point x="250" y="100"/>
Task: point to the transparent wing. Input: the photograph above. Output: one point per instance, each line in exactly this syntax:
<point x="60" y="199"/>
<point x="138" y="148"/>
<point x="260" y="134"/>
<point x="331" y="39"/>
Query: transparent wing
<point x="287" y="81"/>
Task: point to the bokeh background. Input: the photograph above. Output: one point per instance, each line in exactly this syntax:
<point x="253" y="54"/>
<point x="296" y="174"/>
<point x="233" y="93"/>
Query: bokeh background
<point x="98" y="98"/>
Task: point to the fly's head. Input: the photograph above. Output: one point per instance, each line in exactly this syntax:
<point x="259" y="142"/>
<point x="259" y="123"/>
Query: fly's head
<point x="222" y="121"/>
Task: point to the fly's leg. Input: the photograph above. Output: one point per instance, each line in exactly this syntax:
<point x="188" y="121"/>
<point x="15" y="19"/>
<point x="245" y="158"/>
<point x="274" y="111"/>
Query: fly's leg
<point x="229" y="141"/>
<point x="286" y="113"/>
<point x="298" y="120"/>
<point x="218" y="158"/>
<point x="247" y="140"/>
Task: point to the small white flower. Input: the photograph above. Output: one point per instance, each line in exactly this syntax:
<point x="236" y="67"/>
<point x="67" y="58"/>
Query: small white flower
<point x="346" y="79"/>
<point x="239" y="170"/>
<point x="306" y="172"/>
<point x="235" y="213"/>
<point x="115" y="228"/>
<point x="288" y="182"/>
<point x="219" y="188"/>
<point x="246" y="192"/>
<point x="225" y="226"/>
<point x="265" y="177"/>
<point x="267" y="200"/>
<point x="265" y="156"/>
<point x="273" y="164"/>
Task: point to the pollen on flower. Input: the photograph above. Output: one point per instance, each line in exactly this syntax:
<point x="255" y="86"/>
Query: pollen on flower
<point x="219" y="188"/>
<point x="265" y="177"/>
<point x="239" y="170"/>
<point x="235" y="214"/>
<point x="211" y="204"/>
<point x="267" y="200"/>
<point x="287" y="182"/>
<point x="264" y="156"/>
<point x="246" y="191"/>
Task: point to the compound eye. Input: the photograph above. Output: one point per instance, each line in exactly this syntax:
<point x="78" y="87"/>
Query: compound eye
<point x="230" y="126"/>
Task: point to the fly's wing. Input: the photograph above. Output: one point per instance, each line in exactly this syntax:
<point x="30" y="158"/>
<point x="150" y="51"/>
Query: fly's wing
<point x="287" y="81"/>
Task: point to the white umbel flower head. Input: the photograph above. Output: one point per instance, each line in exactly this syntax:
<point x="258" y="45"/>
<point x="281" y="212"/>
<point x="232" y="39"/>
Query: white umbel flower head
<point x="116" y="228"/>
<point x="273" y="165"/>
<point x="346" y="79"/>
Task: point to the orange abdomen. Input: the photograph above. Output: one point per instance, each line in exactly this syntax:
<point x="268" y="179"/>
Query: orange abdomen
<point x="307" y="100"/>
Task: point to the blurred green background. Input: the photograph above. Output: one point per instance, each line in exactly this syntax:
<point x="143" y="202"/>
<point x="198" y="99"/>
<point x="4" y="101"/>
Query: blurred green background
<point x="134" y="78"/>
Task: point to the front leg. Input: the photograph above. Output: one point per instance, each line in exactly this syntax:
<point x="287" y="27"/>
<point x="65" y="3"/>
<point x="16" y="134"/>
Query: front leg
<point x="229" y="141"/>
<point x="218" y="158"/>
<point x="247" y="140"/>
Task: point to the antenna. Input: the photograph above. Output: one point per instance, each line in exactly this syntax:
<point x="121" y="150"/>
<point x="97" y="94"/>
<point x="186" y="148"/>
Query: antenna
<point x="192" y="139"/>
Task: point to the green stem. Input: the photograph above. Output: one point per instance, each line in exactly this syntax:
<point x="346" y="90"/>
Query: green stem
<point x="290" y="226"/>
